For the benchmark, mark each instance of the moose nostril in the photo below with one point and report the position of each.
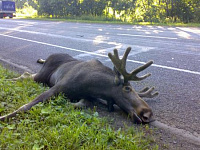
(145, 118)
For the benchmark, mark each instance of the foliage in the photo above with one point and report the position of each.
(27, 11)
(164, 11)
(56, 124)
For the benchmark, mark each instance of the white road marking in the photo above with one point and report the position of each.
(80, 39)
(53, 45)
(102, 55)
(96, 41)
(157, 37)
(136, 50)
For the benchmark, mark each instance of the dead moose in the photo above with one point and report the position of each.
(91, 80)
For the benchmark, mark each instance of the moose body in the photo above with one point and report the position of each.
(77, 79)
(91, 80)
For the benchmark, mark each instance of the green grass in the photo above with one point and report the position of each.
(103, 20)
(57, 125)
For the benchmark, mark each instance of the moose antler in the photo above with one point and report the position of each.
(147, 92)
(120, 65)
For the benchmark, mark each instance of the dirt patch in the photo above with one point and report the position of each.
(164, 138)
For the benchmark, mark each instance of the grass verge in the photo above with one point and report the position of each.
(110, 21)
(57, 125)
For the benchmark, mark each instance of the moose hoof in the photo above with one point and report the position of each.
(41, 61)
(26, 75)
(81, 104)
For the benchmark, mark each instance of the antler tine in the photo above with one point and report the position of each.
(116, 53)
(115, 59)
(120, 65)
(125, 56)
(147, 92)
(139, 69)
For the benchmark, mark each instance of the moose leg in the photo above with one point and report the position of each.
(81, 104)
(25, 75)
(110, 105)
(84, 103)
(41, 98)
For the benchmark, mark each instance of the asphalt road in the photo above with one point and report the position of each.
(175, 51)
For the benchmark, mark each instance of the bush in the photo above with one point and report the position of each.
(26, 11)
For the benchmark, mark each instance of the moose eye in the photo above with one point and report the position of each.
(127, 88)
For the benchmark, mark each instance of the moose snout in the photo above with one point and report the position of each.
(142, 118)
(147, 117)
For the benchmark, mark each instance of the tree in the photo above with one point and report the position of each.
(127, 10)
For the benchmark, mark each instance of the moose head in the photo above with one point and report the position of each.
(127, 98)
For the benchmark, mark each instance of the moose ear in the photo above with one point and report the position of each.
(119, 79)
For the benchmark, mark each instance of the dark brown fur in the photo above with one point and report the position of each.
(89, 80)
